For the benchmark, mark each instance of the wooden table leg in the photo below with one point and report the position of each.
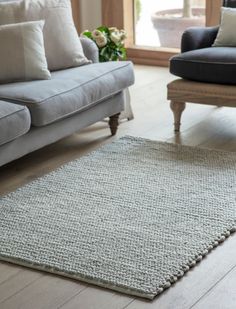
(177, 108)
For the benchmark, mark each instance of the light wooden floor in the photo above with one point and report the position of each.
(212, 284)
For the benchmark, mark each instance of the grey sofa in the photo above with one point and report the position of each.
(37, 113)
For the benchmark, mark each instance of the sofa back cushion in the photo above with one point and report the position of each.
(62, 44)
(22, 53)
(229, 3)
(11, 12)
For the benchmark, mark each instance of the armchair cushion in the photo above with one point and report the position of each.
(230, 3)
(198, 37)
(212, 65)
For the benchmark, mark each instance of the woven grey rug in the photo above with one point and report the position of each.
(133, 216)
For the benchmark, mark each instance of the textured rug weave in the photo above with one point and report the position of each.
(133, 216)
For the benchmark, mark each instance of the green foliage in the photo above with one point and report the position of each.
(87, 34)
(110, 42)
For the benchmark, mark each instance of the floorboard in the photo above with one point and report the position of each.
(93, 296)
(45, 292)
(222, 295)
(16, 284)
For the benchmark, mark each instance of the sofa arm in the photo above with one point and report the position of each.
(90, 49)
(196, 38)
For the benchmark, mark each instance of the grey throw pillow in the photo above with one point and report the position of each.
(227, 34)
(22, 53)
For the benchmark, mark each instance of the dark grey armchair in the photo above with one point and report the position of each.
(199, 61)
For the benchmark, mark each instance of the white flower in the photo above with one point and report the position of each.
(84, 32)
(113, 29)
(123, 35)
(115, 37)
(97, 34)
(101, 41)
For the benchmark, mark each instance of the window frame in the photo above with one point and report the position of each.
(75, 10)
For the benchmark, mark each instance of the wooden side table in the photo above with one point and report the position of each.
(182, 91)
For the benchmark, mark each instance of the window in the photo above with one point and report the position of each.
(145, 48)
(161, 23)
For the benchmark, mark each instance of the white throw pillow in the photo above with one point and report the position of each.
(62, 44)
(22, 53)
(226, 35)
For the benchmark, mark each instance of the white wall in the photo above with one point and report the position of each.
(90, 14)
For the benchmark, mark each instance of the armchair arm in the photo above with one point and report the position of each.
(90, 49)
(196, 38)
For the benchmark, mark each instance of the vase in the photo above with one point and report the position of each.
(170, 25)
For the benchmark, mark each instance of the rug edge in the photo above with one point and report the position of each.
(184, 269)
(123, 290)
(172, 143)
(150, 296)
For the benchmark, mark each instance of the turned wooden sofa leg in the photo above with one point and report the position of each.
(113, 123)
(177, 108)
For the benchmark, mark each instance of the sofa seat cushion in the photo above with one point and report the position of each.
(14, 121)
(211, 65)
(69, 91)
